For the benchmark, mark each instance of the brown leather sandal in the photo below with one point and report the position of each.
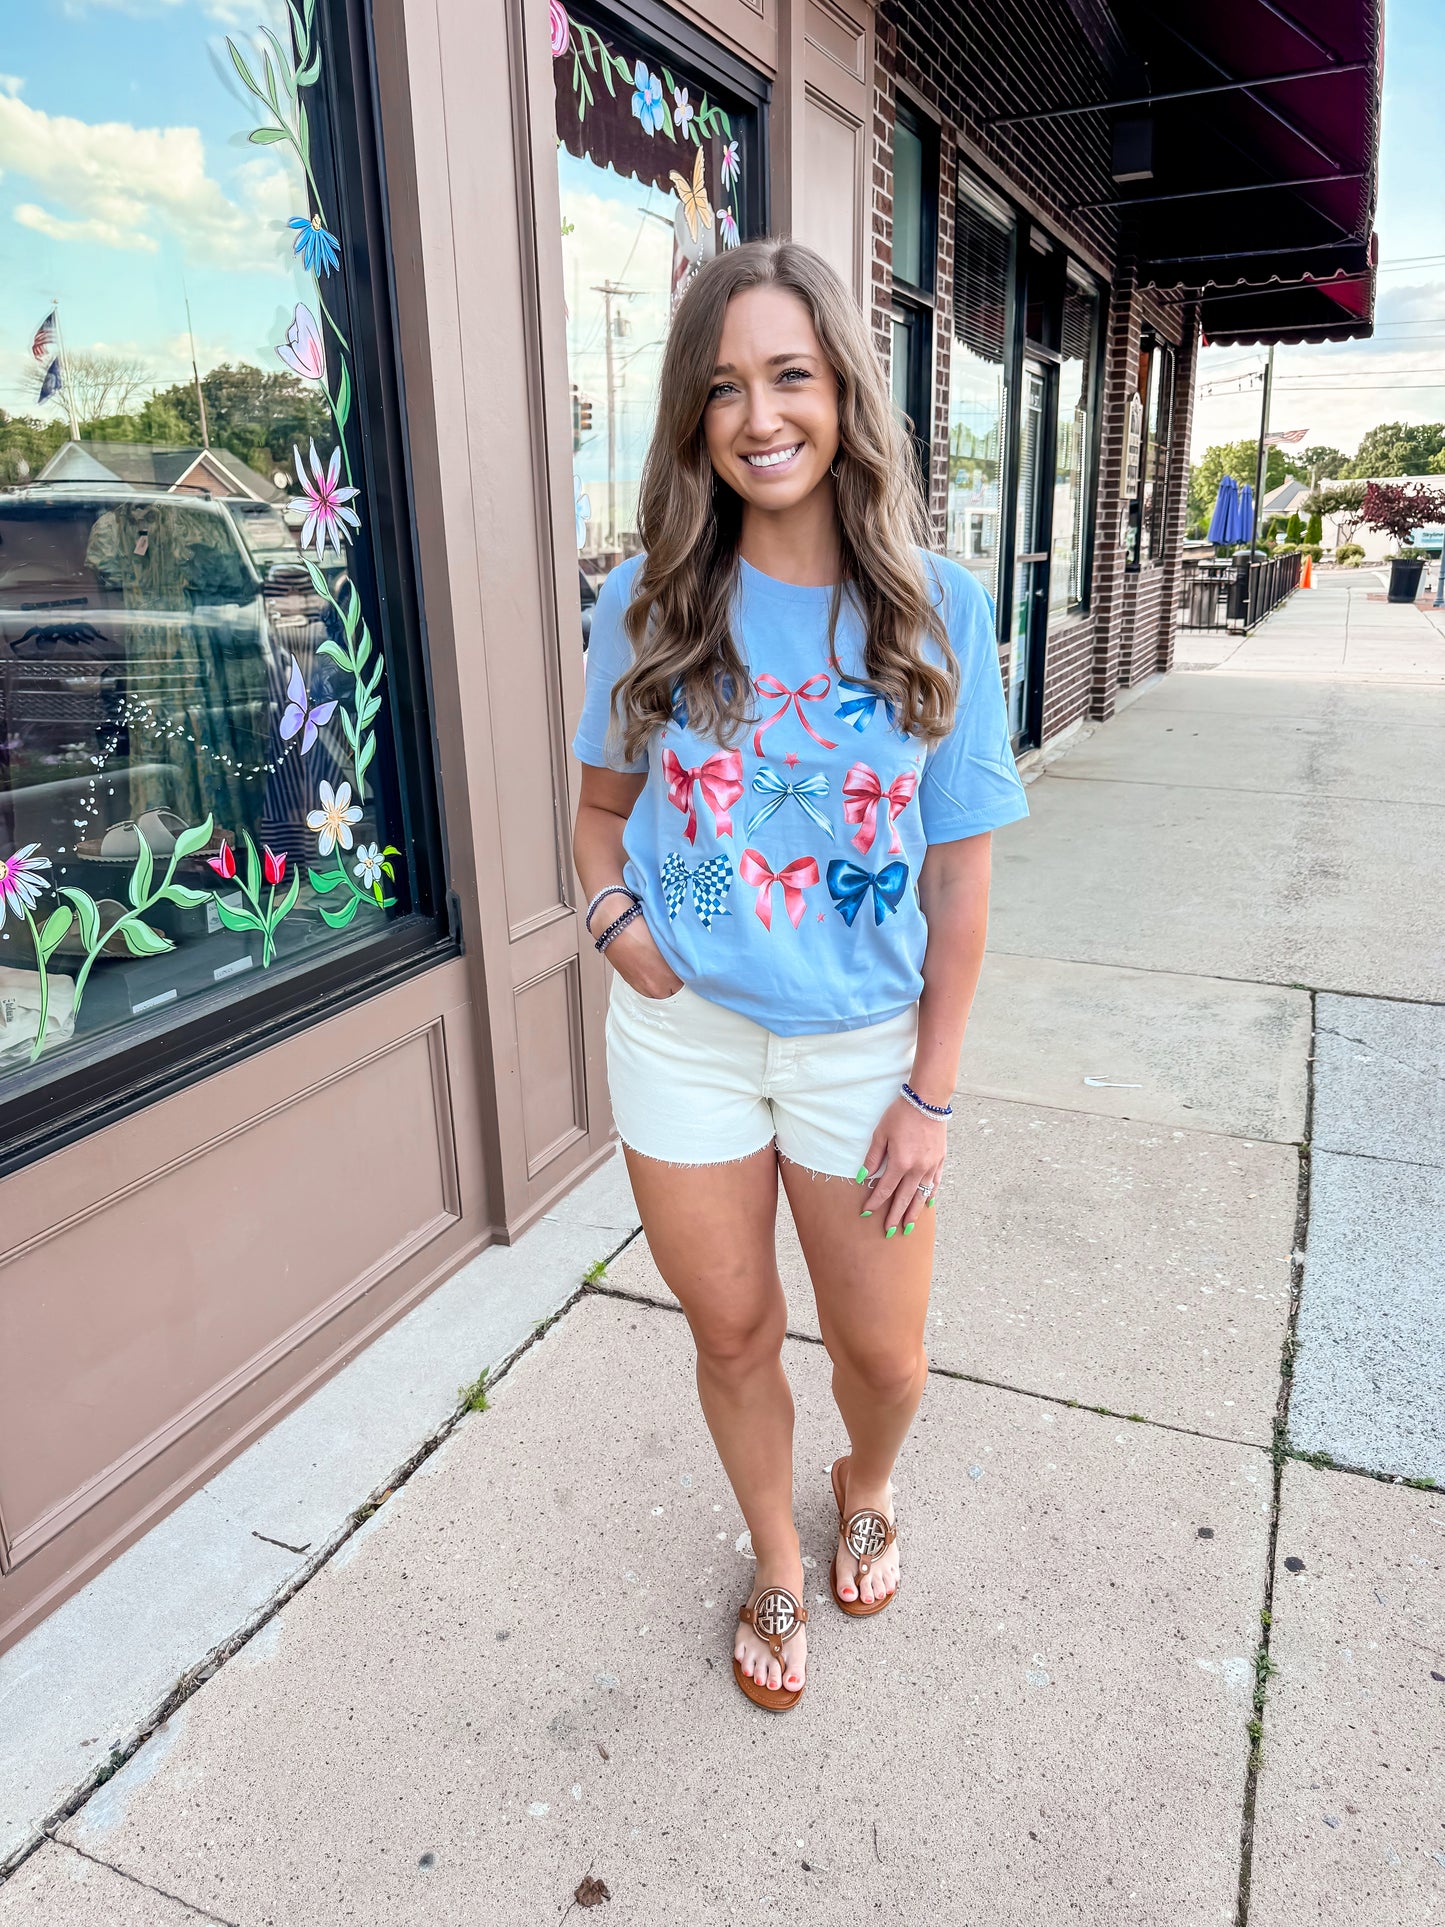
(865, 1533)
(777, 1616)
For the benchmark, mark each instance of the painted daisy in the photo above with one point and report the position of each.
(682, 110)
(727, 221)
(324, 501)
(319, 250)
(332, 822)
(21, 882)
(368, 864)
(730, 167)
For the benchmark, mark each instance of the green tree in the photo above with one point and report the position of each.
(257, 414)
(1314, 530)
(1321, 463)
(1294, 530)
(1399, 448)
(1229, 458)
(26, 444)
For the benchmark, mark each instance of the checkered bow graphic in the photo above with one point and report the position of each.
(863, 792)
(710, 883)
(770, 785)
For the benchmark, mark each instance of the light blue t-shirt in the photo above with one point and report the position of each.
(779, 878)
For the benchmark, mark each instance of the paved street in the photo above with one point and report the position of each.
(1170, 1647)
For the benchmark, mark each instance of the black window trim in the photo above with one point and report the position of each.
(62, 1102)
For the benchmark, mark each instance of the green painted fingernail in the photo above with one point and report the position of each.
(862, 1173)
(891, 1231)
(865, 1214)
(907, 1228)
(929, 1203)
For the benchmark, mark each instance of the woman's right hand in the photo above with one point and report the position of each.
(634, 954)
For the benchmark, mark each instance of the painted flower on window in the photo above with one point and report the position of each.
(728, 224)
(730, 167)
(560, 27)
(332, 822)
(647, 99)
(21, 881)
(324, 499)
(682, 110)
(368, 864)
(303, 350)
(319, 250)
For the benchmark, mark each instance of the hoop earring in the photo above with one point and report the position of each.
(833, 465)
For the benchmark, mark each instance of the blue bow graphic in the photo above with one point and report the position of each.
(859, 711)
(849, 883)
(777, 792)
(710, 882)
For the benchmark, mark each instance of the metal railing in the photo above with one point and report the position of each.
(1236, 595)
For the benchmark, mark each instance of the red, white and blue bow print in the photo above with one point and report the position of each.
(795, 877)
(863, 792)
(770, 785)
(710, 883)
(849, 885)
(719, 777)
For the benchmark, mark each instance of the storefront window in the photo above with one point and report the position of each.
(1158, 417)
(657, 161)
(199, 785)
(1073, 445)
(976, 410)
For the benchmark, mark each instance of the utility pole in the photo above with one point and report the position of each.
(196, 376)
(610, 292)
(1259, 466)
(65, 386)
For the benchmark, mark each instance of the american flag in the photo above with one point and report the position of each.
(43, 346)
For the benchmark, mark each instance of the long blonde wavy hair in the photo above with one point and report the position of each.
(690, 522)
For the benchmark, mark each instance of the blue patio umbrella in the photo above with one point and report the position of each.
(1241, 522)
(1225, 503)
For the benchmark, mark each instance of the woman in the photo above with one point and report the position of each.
(794, 746)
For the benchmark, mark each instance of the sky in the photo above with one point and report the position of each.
(127, 182)
(1337, 390)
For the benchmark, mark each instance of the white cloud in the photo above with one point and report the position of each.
(124, 187)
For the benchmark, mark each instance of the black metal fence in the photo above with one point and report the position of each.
(1234, 594)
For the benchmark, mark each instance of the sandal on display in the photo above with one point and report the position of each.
(865, 1533)
(777, 1616)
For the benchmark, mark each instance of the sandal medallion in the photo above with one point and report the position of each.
(867, 1534)
(775, 1613)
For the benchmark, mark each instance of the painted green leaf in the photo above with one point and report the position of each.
(338, 919)
(298, 30)
(309, 8)
(670, 83)
(369, 710)
(363, 648)
(323, 882)
(86, 912)
(727, 125)
(183, 896)
(191, 840)
(142, 941)
(253, 866)
(287, 902)
(235, 919)
(376, 892)
(623, 68)
(244, 71)
(53, 929)
(307, 74)
(343, 397)
(363, 763)
(335, 651)
(283, 65)
(304, 136)
(318, 580)
(607, 74)
(667, 122)
(352, 610)
(142, 876)
(265, 136)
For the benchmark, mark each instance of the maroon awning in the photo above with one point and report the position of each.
(1260, 198)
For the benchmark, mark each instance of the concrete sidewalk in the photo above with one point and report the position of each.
(1150, 1665)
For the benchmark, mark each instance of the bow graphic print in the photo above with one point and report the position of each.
(777, 792)
(863, 791)
(720, 778)
(849, 884)
(710, 882)
(795, 878)
(859, 709)
(808, 692)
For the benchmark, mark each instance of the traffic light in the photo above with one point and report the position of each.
(581, 416)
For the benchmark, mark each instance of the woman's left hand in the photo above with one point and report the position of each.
(907, 1151)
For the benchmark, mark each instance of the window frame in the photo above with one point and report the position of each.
(915, 302)
(1078, 275)
(61, 1100)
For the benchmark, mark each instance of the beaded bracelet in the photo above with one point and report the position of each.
(601, 943)
(606, 891)
(944, 1111)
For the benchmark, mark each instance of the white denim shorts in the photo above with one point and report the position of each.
(695, 1083)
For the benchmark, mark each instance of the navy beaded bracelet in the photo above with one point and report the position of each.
(621, 923)
(944, 1111)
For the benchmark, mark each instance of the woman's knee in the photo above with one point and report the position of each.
(888, 1373)
(733, 1341)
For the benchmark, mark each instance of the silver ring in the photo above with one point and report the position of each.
(926, 1190)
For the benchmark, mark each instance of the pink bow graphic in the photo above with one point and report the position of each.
(794, 877)
(808, 692)
(863, 792)
(721, 778)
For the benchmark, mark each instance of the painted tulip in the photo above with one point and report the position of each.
(223, 862)
(273, 867)
(303, 350)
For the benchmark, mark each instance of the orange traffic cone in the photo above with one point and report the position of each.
(1306, 581)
